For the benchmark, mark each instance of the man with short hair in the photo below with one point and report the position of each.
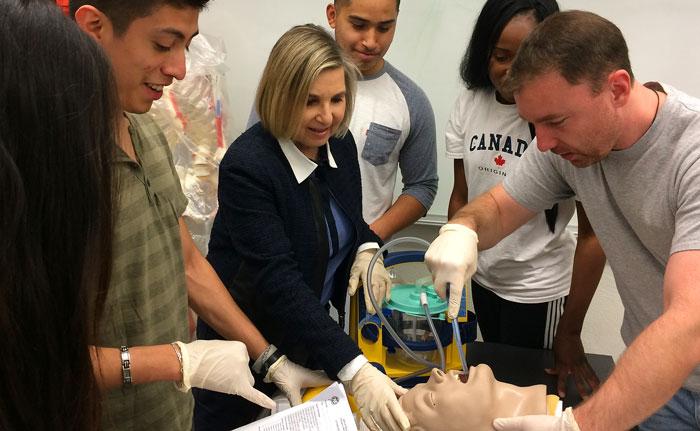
(157, 270)
(629, 152)
(393, 122)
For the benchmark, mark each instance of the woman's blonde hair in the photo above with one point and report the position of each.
(296, 60)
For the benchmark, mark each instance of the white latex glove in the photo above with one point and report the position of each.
(452, 259)
(566, 422)
(220, 366)
(381, 281)
(292, 378)
(376, 396)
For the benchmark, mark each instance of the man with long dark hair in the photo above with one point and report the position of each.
(157, 269)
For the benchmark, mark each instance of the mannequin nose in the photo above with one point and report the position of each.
(438, 375)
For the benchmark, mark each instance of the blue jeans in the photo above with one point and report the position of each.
(681, 413)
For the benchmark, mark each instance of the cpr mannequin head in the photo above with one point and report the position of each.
(445, 403)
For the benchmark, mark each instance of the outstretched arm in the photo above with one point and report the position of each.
(211, 301)
(483, 222)
(589, 262)
(149, 364)
(493, 216)
(216, 365)
(650, 371)
(655, 365)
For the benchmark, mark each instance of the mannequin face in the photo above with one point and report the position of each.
(445, 403)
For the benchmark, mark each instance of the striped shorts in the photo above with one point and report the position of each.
(514, 323)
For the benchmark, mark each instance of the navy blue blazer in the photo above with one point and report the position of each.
(267, 249)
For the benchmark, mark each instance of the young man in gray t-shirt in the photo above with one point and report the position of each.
(629, 153)
(393, 124)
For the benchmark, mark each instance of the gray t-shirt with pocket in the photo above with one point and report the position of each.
(394, 127)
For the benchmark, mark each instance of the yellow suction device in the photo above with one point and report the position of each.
(411, 335)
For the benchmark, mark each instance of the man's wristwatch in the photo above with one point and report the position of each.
(266, 360)
(274, 357)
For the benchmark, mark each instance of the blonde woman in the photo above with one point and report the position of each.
(289, 239)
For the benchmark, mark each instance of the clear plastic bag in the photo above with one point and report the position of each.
(192, 115)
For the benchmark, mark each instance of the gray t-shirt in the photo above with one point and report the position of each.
(642, 202)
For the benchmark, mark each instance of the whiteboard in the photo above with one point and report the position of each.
(430, 40)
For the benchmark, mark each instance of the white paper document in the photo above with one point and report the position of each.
(328, 411)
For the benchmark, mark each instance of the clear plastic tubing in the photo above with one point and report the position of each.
(438, 343)
(384, 320)
(457, 337)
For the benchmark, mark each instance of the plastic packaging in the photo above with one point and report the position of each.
(192, 114)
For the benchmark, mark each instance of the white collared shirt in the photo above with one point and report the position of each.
(301, 165)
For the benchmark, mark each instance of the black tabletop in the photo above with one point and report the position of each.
(525, 367)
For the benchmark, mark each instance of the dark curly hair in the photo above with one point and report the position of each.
(494, 16)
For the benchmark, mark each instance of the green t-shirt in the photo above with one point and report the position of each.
(147, 300)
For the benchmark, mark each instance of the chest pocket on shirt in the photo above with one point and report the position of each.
(380, 143)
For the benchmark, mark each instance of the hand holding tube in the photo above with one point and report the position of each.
(452, 259)
(381, 281)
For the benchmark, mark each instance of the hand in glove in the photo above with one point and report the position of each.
(376, 395)
(381, 281)
(566, 422)
(292, 378)
(220, 366)
(452, 259)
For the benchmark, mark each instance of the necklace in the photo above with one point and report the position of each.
(656, 112)
(658, 102)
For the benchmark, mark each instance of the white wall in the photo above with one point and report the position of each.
(431, 38)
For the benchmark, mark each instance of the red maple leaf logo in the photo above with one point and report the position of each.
(500, 161)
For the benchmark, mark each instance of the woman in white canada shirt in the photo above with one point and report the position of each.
(521, 286)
